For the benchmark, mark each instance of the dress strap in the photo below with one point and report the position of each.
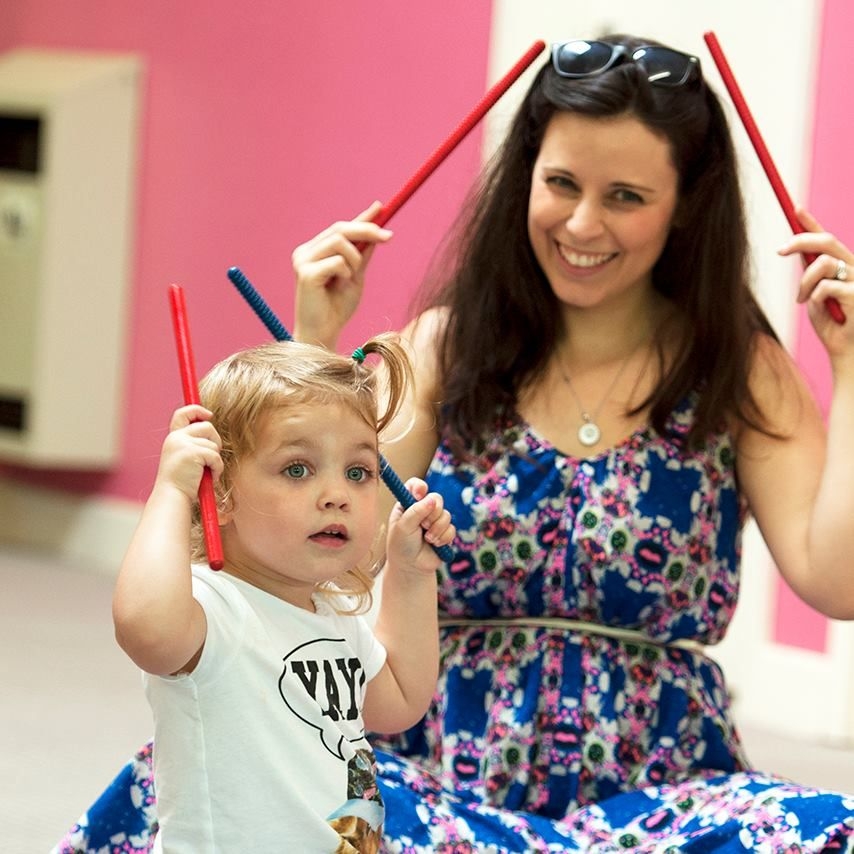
(583, 626)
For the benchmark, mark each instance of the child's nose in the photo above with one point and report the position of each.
(334, 494)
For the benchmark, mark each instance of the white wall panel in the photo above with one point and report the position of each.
(771, 47)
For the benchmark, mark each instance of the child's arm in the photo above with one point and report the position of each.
(157, 621)
(407, 624)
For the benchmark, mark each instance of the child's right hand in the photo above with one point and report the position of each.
(192, 444)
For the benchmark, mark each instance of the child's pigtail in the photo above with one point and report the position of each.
(398, 373)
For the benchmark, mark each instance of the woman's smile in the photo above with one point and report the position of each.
(586, 260)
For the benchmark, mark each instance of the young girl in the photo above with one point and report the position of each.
(263, 677)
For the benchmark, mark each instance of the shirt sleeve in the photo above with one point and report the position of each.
(357, 628)
(371, 651)
(226, 614)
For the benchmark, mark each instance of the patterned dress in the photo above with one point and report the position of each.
(576, 710)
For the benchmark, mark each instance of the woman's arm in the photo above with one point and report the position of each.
(801, 488)
(157, 621)
(410, 441)
(407, 623)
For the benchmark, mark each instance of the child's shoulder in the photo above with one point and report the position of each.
(216, 590)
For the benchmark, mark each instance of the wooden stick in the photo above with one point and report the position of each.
(458, 134)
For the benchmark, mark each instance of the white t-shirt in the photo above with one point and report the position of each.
(262, 747)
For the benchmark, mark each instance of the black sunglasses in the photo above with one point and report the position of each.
(663, 66)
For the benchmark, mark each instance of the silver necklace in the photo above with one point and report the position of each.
(589, 433)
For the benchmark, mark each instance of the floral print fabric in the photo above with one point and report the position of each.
(123, 819)
(545, 738)
(542, 737)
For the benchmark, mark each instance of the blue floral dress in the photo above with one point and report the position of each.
(576, 709)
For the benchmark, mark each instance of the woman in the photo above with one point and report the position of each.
(602, 403)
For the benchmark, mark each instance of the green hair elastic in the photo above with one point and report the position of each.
(265, 314)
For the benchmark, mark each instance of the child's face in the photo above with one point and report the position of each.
(304, 503)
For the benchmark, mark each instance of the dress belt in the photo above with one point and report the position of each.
(583, 626)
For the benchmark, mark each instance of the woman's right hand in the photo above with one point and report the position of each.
(330, 276)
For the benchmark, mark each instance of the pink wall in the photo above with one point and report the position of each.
(262, 123)
(831, 191)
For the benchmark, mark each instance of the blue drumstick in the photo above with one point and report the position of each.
(268, 318)
(264, 312)
(398, 489)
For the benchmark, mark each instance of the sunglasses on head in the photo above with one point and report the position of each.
(663, 66)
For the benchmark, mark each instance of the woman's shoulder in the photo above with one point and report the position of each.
(778, 387)
(772, 370)
(422, 337)
(424, 329)
(412, 437)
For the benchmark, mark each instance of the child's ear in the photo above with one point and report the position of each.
(224, 510)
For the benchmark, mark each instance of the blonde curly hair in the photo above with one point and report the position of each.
(248, 384)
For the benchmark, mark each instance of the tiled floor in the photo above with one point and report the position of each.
(72, 709)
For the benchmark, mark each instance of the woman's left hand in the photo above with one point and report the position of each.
(829, 276)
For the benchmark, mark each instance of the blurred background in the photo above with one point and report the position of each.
(178, 140)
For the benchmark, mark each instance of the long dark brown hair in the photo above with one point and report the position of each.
(503, 320)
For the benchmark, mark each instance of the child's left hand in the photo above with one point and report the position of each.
(412, 533)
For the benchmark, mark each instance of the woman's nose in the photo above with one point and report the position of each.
(585, 219)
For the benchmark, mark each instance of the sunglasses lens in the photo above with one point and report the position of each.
(663, 66)
(581, 58)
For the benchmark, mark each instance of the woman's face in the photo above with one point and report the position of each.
(603, 197)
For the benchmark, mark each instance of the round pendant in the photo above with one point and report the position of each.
(589, 434)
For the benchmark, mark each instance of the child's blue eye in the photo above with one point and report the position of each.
(296, 470)
(357, 474)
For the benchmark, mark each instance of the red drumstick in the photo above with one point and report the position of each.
(457, 136)
(386, 212)
(187, 364)
(833, 306)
